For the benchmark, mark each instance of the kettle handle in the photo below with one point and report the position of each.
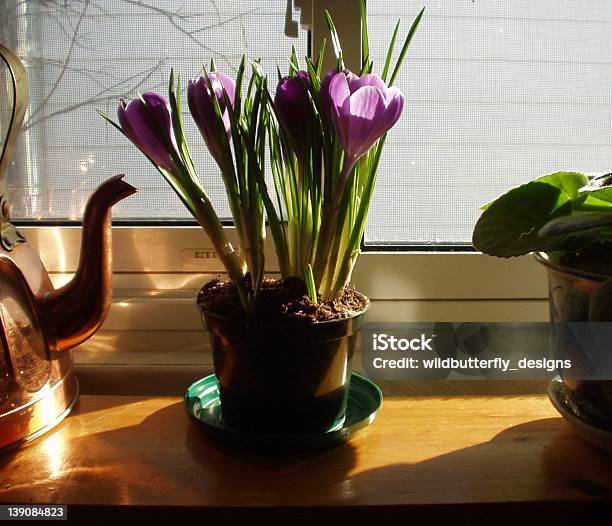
(19, 80)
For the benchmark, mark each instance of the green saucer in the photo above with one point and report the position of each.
(364, 400)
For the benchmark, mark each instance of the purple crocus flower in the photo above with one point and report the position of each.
(293, 107)
(363, 109)
(202, 108)
(147, 122)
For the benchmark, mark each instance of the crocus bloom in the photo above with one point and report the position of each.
(147, 122)
(293, 107)
(363, 109)
(202, 108)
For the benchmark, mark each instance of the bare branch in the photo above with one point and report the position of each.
(165, 12)
(239, 16)
(63, 13)
(100, 96)
(171, 17)
(66, 62)
(217, 10)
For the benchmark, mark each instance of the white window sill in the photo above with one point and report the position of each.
(158, 271)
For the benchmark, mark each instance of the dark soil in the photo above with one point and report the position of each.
(280, 300)
(596, 258)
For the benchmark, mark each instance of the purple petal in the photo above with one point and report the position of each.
(339, 98)
(356, 82)
(392, 93)
(221, 82)
(227, 83)
(123, 120)
(363, 109)
(327, 80)
(338, 89)
(200, 103)
(160, 111)
(325, 97)
(304, 76)
(143, 126)
(293, 106)
(192, 87)
(367, 106)
(202, 110)
(394, 105)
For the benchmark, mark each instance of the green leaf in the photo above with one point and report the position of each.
(238, 88)
(310, 283)
(510, 225)
(367, 66)
(603, 196)
(171, 83)
(335, 41)
(365, 43)
(402, 55)
(174, 95)
(314, 76)
(593, 203)
(575, 223)
(276, 227)
(599, 188)
(570, 183)
(109, 120)
(294, 63)
(320, 60)
(390, 50)
(596, 183)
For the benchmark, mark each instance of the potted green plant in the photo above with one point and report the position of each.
(281, 348)
(566, 219)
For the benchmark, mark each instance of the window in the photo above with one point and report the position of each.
(497, 93)
(83, 55)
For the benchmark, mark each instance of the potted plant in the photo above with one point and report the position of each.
(281, 348)
(566, 219)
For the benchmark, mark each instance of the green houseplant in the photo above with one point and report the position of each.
(566, 219)
(284, 345)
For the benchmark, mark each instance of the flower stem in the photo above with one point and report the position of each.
(328, 225)
(208, 219)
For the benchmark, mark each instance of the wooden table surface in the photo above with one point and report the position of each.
(422, 452)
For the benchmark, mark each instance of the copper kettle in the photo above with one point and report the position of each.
(38, 323)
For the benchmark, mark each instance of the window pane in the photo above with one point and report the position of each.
(85, 54)
(497, 93)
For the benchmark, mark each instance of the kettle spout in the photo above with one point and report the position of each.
(74, 312)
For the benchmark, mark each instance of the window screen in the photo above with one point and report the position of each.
(497, 93)
(85, 54)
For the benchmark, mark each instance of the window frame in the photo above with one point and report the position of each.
(404, 283)
(407, 285)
